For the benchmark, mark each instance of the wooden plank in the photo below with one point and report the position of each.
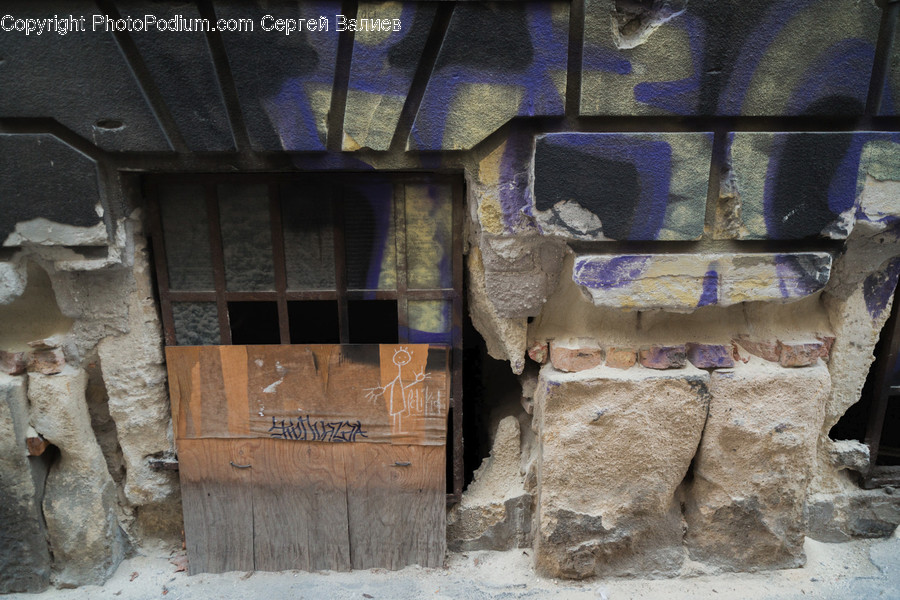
(217, 500)
(396, 394)
(396, 505)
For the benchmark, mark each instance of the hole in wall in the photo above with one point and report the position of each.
(32, 316)
(109, 124)
(102, 422)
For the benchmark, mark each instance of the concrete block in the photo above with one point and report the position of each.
(615, 446)
(745, 506)
(683, 282)
(663, 357)
(643, 186)
(576, 355)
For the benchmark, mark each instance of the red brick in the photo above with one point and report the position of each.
(827, 345)
(538, 352)
(621, 358)
(48, 362)
(710, 356)
(799, 355)
(36, 445)
(766, 349)
(578, 355)
(663, 357)
(13, 363)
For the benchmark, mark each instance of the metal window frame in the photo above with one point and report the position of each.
(281, 295)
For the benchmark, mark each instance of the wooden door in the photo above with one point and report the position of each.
(311, 457)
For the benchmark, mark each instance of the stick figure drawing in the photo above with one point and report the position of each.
(399, 397)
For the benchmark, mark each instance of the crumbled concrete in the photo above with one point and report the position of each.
(79, 488)
(24, 555)
(745, 505)
(615, 446)
(495, 510)
(520, 273)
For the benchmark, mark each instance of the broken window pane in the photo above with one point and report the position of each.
(196, 323)
(186, 234)
(246, 238)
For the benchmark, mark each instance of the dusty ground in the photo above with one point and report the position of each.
(863, 569)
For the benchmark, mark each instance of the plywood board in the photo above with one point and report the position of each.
(397, 394)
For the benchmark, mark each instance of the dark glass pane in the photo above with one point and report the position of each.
(196, 323)
(429, 236)
(370, 240)
(372, 321)
(308, 236)
(254, 323)
(186, 236)
(429, 321)
(314, 322)
(246, 238)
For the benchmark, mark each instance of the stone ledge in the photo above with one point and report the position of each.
(684, 282)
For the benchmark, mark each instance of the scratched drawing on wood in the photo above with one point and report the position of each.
(391, 393)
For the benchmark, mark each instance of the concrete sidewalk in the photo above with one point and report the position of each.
(866, 569)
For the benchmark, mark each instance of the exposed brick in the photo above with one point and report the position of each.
(48, 362)
(827, 345)
(538, 352)
(36, 445)
(576, 355)
(13, 363)
(710, 356)
(663, 357)
(800, 355)
(766, 349)
(621, 358)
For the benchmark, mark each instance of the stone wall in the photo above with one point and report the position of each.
(681, 234)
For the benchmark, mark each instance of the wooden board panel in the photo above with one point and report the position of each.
(300, 506)
(217, 499)
(396, 505)
(397, 394)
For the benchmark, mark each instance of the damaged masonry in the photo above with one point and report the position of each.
(608, 280)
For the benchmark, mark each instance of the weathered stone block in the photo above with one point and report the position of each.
(576, 355)
(804, 185)
(605, 508)
(683, 282)
(643, 186)
(745, 505)
(24, 556)
(80, 502)
(799, 355)
(621, 358)
(710, 356)
(663, 357)
(685, 57)
(538, 352)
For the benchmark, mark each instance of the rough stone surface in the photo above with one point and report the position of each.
(132, 366)
(24, 556)
(663, 357)
(849, 454)
(644, 186)
(710, 356)
(852, 514)
(605, 508)
(685, 57)
(495, 510)
(684, 282)
(576, 355)
(520, 273)
(621, 358)
(745, 505)
(505, 338)
(79, 487)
